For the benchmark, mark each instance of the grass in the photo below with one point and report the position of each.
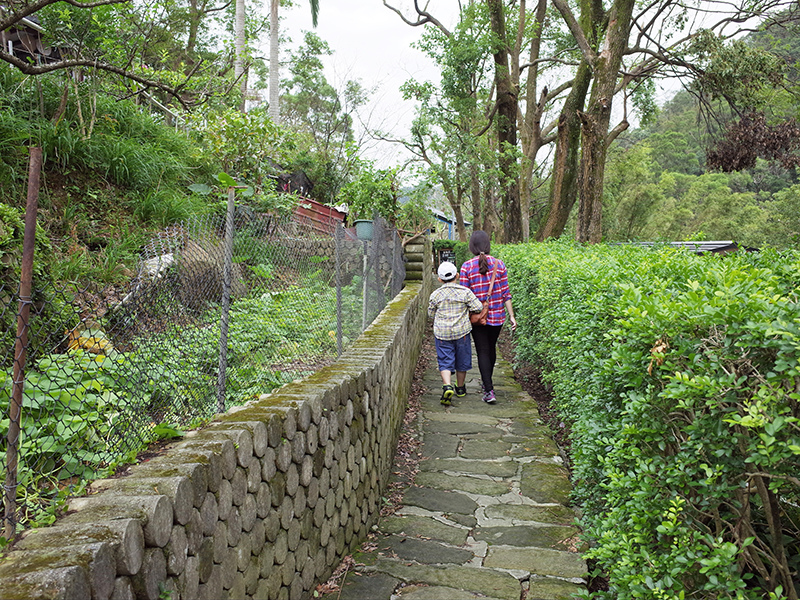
(104, 188)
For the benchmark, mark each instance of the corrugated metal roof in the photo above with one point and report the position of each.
(323, 219)
(716, 247)
(442, 216)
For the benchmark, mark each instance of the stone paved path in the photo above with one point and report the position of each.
(487, 517)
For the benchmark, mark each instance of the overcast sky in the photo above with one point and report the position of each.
(370, 43)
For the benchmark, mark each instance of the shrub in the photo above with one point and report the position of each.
(679, 375)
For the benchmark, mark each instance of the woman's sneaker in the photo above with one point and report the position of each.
(461, 391)
(489, 398)
(447, 393)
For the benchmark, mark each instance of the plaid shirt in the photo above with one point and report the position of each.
(451, 305)
(471, 277)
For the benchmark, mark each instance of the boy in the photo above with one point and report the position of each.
(450, 306)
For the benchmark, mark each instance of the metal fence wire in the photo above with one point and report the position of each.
(217, 315)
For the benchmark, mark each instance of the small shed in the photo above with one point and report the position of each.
(449, 222)
(25, 40)
(322, 218)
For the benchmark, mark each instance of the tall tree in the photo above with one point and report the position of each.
(659, 43)
(239, 72)
(451, 117)
(534, 135)
(565, 173)
(274, 56)
(507, 106)
(468, 104)
(322, 115)
(274, 63)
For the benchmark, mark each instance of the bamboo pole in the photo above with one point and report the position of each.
(21, 347)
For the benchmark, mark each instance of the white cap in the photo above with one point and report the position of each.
(447, 271)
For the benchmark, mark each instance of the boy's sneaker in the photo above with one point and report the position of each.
(489, 398)
(461, 391)
(447, 393)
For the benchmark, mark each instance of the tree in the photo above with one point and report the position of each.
(239, 72)
(274, 63)
(109, 36)
(565, 174)
(469, 103)
(751, 138)
(323, 117)
(534, 135)
(448, 134)
(370, 191)
(506, 126)
(655, 47)
(274, 56)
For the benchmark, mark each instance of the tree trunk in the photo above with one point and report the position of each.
(531, 130)
(596, 120)
(460, 227)
(458, 213)
(475, 195)
(506, 127)
(194, 25)
(593, 157)
(238, 63)
(564, 185)
(489, 212)
(274, 64)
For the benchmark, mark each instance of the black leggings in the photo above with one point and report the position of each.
(485, 339)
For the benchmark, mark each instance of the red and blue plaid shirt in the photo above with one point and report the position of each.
(471, 277)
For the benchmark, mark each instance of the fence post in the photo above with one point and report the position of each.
(337, 233)
(21, 346)
(226, 302)
(364, 290)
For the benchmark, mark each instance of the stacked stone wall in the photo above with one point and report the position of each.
(263, 503)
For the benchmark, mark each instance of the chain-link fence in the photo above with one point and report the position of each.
(218, 314)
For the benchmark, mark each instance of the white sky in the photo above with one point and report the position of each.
(372, 44)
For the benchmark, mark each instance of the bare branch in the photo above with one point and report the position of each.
(550, 137)
(32, 69)
(18, 14)
(551, 94)
(612, 135)
(218, 8)
(575, 30)
(423, 18)
(490, 120)
(538, 61)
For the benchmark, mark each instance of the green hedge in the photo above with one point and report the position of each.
(679, 377)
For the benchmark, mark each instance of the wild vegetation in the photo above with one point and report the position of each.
(677, 375)
(657, 188)
(116, 171)
(534, 99)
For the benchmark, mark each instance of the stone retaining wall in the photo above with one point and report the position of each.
(263, 503)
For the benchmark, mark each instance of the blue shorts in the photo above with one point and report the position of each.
(454, 355)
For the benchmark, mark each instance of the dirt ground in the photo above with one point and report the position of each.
(529, 377)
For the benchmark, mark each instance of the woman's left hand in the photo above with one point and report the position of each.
(513, 323)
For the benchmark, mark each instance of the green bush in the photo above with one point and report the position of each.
(679, 377)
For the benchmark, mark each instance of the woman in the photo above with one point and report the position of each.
(476, 274)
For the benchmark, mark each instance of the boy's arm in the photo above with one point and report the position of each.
(475, 305)
(432, 305)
